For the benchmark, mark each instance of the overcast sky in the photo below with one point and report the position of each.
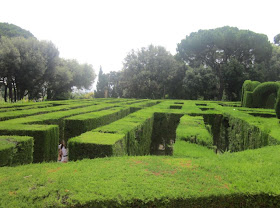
(103, 32)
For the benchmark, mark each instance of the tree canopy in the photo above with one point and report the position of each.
(209, 64)
(216, 48)
(277, 39)
(102, 84)
(10, 30)
(147, 72)
(31, 67)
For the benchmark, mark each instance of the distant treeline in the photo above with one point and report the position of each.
(209, 64)
(33, 68)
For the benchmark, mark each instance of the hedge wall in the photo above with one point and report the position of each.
(94, 144)
(193, 129)
(46, 140)
(79, 124)
(15, 150)
(164, 132)
(244, 136)
(194, 177)
(248, 86)
(262, 93)
(277, 105)
(128, 136)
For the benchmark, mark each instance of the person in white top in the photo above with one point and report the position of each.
(59, 153)
(64, 152)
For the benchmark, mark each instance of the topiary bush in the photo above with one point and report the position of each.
(277, 105)
(246, 97)
(262, 92)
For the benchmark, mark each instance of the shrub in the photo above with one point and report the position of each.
(262, 92)
(277, 105)
(15, 150)
(248, 86)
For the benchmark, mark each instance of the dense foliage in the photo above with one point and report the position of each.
(10, 30)
(31, 67)
(210, 65)
(147, 73)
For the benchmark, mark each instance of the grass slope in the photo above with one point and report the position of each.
(184, 179)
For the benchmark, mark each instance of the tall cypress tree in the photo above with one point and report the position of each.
(102, 84)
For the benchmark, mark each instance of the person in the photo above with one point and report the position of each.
(64, 152)
(59, 153)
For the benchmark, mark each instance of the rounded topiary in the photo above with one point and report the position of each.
(277, 105)
(262, 92)
(248, 86)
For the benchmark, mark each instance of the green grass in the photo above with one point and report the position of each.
(192, 128)
(98, 138)
(147, 181)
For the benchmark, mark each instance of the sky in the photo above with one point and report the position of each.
(103, 32)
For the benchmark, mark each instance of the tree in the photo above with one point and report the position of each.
(200, 83)
(114, 87)
(69, 74)
(33, 64)
(273, 72)
(10, 30)
(9, 63)
(24, 63)
(217, 47)
(32, 67)
(102, 84)
(277, 40)
(51, 54)
(175, 88)
(146, 72)
(234, 78)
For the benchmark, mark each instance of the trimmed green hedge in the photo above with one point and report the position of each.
(193, 129)
(23, 113)
(248, 99)
(193, 177)
(130, 135)
(164, 132)
(79, 124)
(244, 136)
(46, 140)
(15, 150)
(277, 105)
(248, 86)
(94, 144)
(46, 137)
(262, 93)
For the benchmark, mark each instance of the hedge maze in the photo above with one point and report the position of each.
(143, 153)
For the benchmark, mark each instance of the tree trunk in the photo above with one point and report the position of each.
(221, 83)
(10, 92)
(5, 94)
(15, 94)
(21, 95)
(18, 94)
